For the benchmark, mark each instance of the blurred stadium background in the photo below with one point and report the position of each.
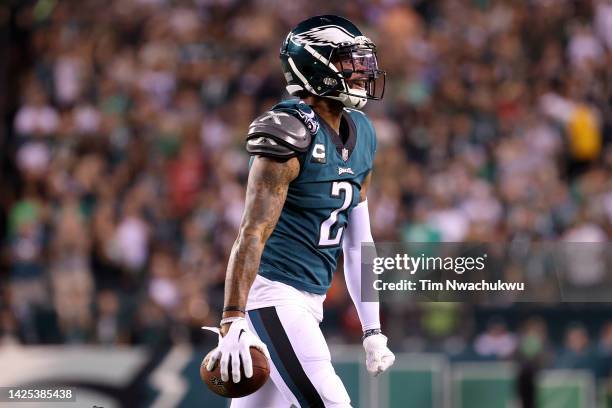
(123, 170)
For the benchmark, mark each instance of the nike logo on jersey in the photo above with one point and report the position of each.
(318, 154)
(343, 170)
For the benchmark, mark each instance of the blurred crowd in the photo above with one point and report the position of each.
(127, 165)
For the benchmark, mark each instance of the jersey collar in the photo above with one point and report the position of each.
(344, 149)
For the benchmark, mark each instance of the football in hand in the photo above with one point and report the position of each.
(246, 386)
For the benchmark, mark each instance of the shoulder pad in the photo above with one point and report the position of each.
(282, 128)
(267, 146)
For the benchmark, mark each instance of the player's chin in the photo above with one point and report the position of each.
(358, 87)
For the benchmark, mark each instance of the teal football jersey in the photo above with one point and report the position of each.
(303, 249)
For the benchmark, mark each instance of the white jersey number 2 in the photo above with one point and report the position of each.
(324, 236)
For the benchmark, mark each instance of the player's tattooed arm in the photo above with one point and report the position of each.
(265, 196)
(363, 194)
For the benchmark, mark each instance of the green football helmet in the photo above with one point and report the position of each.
(325, 55)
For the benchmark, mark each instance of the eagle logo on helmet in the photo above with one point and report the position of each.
(310, 54)
(324, 35)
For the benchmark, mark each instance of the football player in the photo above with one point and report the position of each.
(305, 203)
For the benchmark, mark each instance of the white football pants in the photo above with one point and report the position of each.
(301, 373)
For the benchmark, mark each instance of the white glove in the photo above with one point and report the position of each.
(236, 346)
(378, 355)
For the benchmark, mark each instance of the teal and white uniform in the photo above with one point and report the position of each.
(285, 303)
(306, 243)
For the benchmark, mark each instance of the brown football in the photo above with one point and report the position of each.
(246, 386)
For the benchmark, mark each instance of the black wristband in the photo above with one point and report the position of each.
(234, 309)
(370, 332)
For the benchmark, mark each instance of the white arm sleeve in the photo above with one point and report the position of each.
(358, 231)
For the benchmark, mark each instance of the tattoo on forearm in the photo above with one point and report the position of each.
(266, 193)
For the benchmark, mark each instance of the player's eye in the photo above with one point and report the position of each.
(365, 60)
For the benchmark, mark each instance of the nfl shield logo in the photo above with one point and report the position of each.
(344, 154)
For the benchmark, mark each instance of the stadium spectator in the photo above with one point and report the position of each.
(496, 341)
(604, 348)
(577, 351)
